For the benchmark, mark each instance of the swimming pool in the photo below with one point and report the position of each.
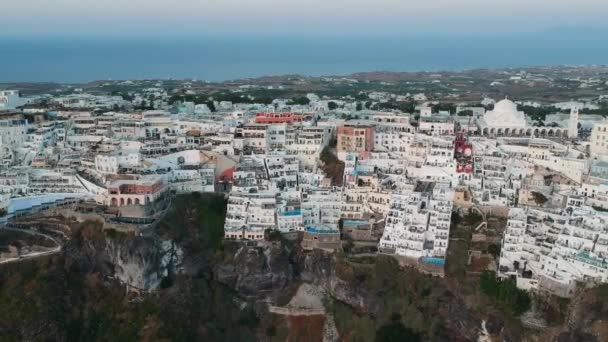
(435, 261)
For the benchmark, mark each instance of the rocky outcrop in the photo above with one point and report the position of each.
(142, 263)
(255, 269)
(319, 267)
(139, 262)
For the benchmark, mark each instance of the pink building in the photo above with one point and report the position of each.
(356, 139)
(135, 192)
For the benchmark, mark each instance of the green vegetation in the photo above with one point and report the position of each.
(601, 291)
(300, 100)
(472, 218)
(449, 107)
(494, 250)
(56, 300)
(408, 299)
(603, 110)
(144, 105)
(406, 107)
(357, 328)
(273, 235)
(348, 244)
(117, 235)
(196, 221)
(467, 112)
(331, 105)
(396, 331)
(539, 198)
(538, 113)
(504, 293)
(458, 251)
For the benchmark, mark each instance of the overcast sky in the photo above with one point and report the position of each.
(325, 17)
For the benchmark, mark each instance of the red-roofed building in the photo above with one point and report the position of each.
(463, 153)
(279, 118)
(135, 192)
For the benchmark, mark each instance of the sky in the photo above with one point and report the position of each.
(288, 17)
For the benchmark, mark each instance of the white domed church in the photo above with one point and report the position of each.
(505, 120)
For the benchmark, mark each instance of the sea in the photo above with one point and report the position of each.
(220, 58)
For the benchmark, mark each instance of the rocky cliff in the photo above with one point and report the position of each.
(271, 272)
(142, 263)
(206, 289)
(137, 261)
(255, 270)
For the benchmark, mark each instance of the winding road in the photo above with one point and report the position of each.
(34, 254)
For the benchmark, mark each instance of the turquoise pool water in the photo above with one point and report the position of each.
(436, 261)
(321, 230)
(292, 213)
(354, 222)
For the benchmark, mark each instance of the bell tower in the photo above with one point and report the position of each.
(573, 123)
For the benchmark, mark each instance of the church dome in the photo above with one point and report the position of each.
(505, 115)
(505, 106)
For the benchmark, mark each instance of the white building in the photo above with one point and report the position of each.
(252, 202)
(112, 163)
(10, 99)
(551, 252)
(599, 139)
(506, 120)
(13, 134)
(418, 223)
(322, 207)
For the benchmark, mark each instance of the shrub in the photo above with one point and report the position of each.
(504, 293)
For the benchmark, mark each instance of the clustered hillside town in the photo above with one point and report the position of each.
(334, 170)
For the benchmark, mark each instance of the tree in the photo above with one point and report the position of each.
(211, 106)
(494, 250)
(332, 105)
(488, 284)
(455, 218)
(504, 293)
(300, 100)
(348, 245)
(467, 112)
(361, 97)
(539, 198)
(450, 107)
(359, 106)
(395, 331)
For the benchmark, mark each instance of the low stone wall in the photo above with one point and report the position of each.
(78, 216)
(495, 211)
(554, 287)
(429, 268)
(285, 311)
